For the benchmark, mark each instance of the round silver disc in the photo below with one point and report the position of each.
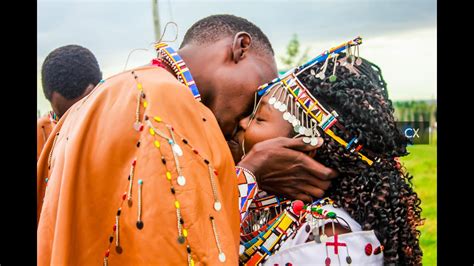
(301, 130)
(272, 100)
(296, 128)
(286, 116)
(306, 140)
(277, 104)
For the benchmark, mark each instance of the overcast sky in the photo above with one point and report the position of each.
(398, 35)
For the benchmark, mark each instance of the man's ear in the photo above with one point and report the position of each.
(240, 45)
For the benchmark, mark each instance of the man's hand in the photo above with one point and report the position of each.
(281, 167)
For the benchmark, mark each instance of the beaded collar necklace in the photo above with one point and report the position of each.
(275, 232)
(169, 56)
(53, 117)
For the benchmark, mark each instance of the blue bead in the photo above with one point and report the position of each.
(170, 141)
(46, 180)
(140, 181)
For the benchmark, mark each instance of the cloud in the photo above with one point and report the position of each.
(111, 29)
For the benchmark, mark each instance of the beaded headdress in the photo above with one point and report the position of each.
(301, 109)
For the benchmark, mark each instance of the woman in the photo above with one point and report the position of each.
(371, 213)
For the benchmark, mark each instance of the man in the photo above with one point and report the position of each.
(140, 172)
(68, 74)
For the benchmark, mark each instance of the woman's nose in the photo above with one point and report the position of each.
(244, 123)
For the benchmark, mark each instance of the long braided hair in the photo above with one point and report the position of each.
(380, 197)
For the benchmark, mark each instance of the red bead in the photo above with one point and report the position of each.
(327, 261)
(215, 172)
(376, 250)
(124, 196)
(368, 249)
(141, 127)
(115, 227)
(134, 162)
(107, 253)
(297, 206)
(172, 128)
(195, 151)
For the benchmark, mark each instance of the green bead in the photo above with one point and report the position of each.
(332, 78)
(331, 215)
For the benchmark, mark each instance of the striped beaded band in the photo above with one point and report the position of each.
(179, 67)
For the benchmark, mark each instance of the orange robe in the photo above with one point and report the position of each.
(92, 160)
(44, 126)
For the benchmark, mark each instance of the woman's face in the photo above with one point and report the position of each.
(268, 123)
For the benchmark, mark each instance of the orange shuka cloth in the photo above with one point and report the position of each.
(91, 161)
(44, 126)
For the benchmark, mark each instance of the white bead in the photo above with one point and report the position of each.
(177, 150)
(306, 140)
(286, 116)
(181, 180)
(222, 257)
(272, 100)
(217, 206)
(277, 104)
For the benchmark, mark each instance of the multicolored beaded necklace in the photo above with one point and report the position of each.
(174, 60)
(272, 235)
(53, 117)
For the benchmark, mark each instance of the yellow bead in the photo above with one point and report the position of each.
(152, 132)
(185, 233)
(139, 86)
(157, 143)
(145, 104)
(192, 262)
(176, 204)
(168, 175)
(157, 119)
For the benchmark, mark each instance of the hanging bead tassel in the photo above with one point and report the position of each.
(217, 203)
(132, 171)
(138, 126)
(139, 219)
(118, 249)
(177, 151)
(221, 254)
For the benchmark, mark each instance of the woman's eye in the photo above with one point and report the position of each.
(259, 119)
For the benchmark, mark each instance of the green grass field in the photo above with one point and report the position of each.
(422, 164)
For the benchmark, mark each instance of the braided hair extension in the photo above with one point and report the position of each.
(380, 197)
